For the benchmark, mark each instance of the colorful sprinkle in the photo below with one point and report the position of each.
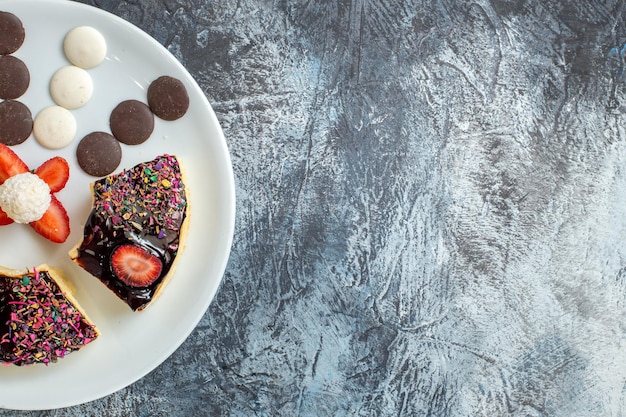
(146, 206)
(147, 197)
(37, 323)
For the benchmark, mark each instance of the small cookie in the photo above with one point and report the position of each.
(98, 154)
(168, 98)
(16, 122)
(14, 77)
(54, 127)
(85, 47)
(12, 33)
(71, 87)
(132, 122)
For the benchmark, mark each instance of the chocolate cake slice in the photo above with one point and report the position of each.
(136, 230)
(40, 321)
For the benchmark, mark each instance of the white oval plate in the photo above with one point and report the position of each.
(131, 344)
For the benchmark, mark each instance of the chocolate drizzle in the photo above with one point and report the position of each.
(144, 206)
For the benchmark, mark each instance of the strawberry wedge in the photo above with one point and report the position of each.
(4, 218)
(10, 163)
(54, 225)
(55, 172)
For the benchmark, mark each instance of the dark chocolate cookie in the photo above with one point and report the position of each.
(16, 122)
(132, 122)
(14, 77)
(168, 98)
(12, 33)
(98, 154)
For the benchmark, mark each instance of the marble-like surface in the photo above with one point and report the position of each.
(431, 209)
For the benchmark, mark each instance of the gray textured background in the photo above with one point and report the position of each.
(431, 210)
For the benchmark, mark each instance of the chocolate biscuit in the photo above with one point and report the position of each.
(168, 98)
(132, 122)
(98, 154)
(16, 122)
(12, 33)
(14, 77)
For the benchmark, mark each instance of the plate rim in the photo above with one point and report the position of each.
(230, 204)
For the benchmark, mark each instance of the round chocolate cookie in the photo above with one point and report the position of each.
(98, 154)
(14, 77)
(132, 122)
(168, 98)
(16, 122)
(12, 33)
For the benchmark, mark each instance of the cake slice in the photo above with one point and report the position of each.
(136, 230)
(40, 321)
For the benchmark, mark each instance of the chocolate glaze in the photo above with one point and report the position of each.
(6, 349)
(100, 242)
(106, 229)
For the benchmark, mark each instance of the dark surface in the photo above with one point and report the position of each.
(430, 210)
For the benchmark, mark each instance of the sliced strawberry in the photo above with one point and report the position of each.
(4, 218)
(10, 163)
(54, 225)
(135, 266)
(55, 172)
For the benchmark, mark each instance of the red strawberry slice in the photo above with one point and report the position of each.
(55, 172)
(10, 163)
(135, 266)
(4, 218)
(54, 225)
